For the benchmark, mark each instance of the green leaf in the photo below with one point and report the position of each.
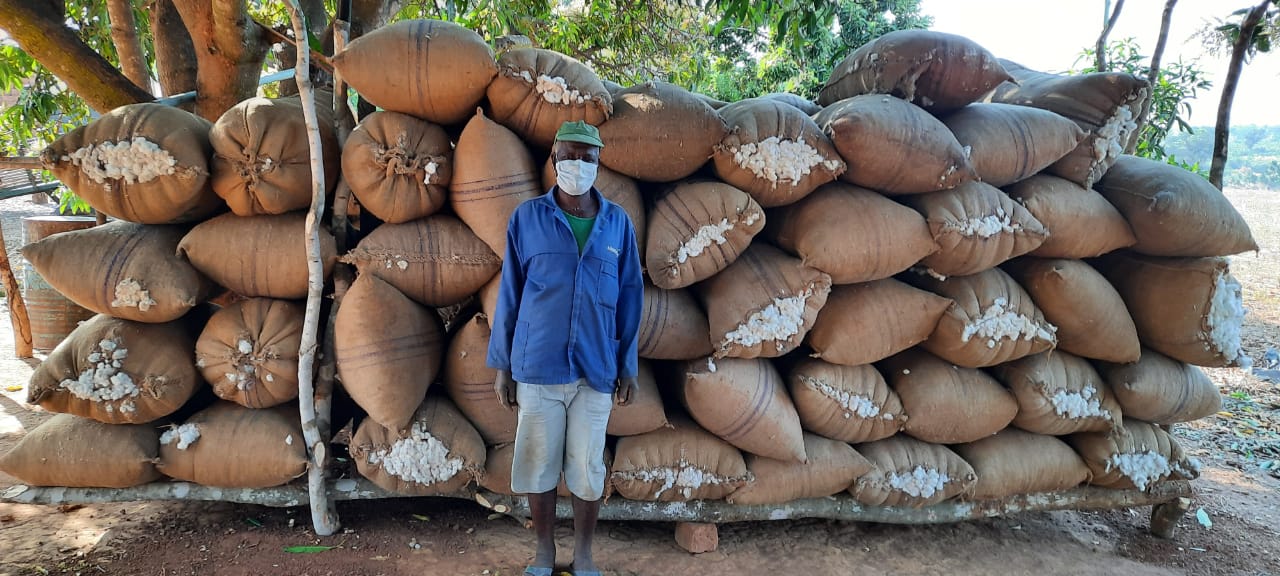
(421, 518)
(307, 549)
(315, 43)
(253, 521)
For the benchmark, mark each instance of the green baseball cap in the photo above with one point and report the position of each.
(579, 131)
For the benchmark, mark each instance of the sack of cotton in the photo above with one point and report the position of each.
(230, 446)
(399, 167)
(438, 452)
(774, 152)
(908, 472)
(698, 229)
(537, 90)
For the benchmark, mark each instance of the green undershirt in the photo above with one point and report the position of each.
(581, 228)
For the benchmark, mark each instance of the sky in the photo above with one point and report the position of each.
(1050, 34)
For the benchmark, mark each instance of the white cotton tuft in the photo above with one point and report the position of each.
(853, 404)
(920, 482)
(186, 435)
(556, 90)
(1226, 317)
(1142, 468)
(421, 458)
(999, 322)
(777, 322)
(1083, 404)
(683, 477)
(129, 293)
(102, 379)
(780, 160)
(134, 161)
(1113, 135)
(703, 239)
(986, 226)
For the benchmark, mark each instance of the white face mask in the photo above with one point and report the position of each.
(575, 177)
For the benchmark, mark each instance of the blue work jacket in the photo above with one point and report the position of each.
(562, 316)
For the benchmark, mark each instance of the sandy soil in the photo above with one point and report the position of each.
(1239, 491)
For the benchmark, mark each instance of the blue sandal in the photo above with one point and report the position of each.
(538, 571)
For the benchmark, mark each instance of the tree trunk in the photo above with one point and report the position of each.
(41, 32)
(175, 54)
(1222, 132)
(17, 306)
(1153, 72)
(124, 34)
(369, 15)
(232, 48)
(1101, 54)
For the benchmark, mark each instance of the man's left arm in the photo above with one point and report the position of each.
(630, 308)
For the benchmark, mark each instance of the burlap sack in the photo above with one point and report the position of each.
(469, 383)
(398, 167)
(1091, 317)
(388, 350)
(672, 326)
(130, 271)
(865, 323)
(1081, 223)
(489, 295)
(659, 132)
(846, 403)
(851, 233)
(145, 163)
(230, 446)
(745, 402)
(1174, 212)
(992, 320)
(908, 472)
(1059, 394)
(809, 107)
(248, 352)
(976, 227)
(832, 468)
(618, 189)
(1190, 309)
(1014, 462)
(880, 135)
(262, 158)
(118, 371)
(438, 452)
(946, 404)
(493, 173)
(937, 71)
(1010, 143)
(1139, 455)
(712, 102)
(1105, 105)
(698, 229)
(497, 472)
(436, 260)
(538, 90)
(1161, 390)
(763, 304)
(644, 413)
(76, 452)
(677, 464)
(774, 152)
(257, 256)
(435, 70)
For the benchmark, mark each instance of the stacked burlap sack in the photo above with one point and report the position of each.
(943, 279)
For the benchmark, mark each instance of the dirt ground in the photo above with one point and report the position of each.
(1239, 492)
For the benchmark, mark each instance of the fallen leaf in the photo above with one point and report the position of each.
(7, 518)
(253, 521)
(13, 388)
(307, 549)
(422, 518)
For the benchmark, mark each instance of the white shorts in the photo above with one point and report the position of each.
(561, 428)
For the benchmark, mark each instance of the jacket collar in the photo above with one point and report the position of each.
(605, 205)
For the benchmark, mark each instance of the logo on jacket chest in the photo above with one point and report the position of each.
(615, 251)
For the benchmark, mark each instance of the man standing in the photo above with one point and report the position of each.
(564, 340)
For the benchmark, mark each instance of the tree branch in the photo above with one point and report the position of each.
(1153, 72)
(41, 32)
(124, 34)
(1221, 133)
(175, 54)
(1101, 52)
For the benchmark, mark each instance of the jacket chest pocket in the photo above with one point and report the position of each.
(607, 290)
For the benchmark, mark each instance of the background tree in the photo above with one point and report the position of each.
(1248, 31)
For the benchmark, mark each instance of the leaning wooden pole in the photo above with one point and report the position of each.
(17, 306)
(324, 516)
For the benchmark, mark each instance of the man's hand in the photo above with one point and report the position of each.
(625, 390)
(505, 388)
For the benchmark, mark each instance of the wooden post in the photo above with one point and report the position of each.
(324, 516)
(17, 307)
(1165, 517)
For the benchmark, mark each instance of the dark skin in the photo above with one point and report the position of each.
(543, 506)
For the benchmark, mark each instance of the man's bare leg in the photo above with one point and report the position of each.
(584, 529)
(543, 508)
